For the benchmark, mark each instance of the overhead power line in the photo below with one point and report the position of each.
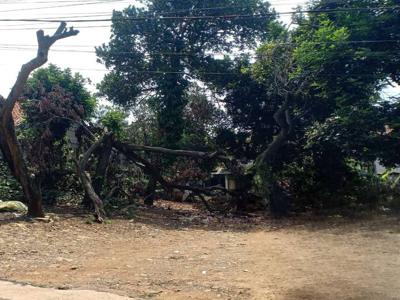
(34, 47)
(208, 17)
(17, 27)
(52, 28)
(59, 6)
(160, 72)
(46, 2)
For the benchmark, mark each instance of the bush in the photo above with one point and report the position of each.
(347, 187)
(9, 187)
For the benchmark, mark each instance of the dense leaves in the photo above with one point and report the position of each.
(156, 51)
(297, 115)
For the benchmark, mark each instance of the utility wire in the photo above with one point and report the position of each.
(34, 47)
(18, 28)
(386, 53)
(46, 2)
(160, 72)
(58, 6)
(209, 17)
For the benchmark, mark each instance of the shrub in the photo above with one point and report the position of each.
(9, 187)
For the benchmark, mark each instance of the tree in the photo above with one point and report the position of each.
(347, 118)
(156, 51)
(338, 116)
(285, 79)
(202, 118)
(347, 93)
(9, 145)
(54, 99)
(249, 108)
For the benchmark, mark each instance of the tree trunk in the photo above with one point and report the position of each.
(8, 140)
(97, 202)
(150, 190)
(102, 165)
(101, 172)
(12, 154)
(87, 182)
(265, 161)
(282, 118)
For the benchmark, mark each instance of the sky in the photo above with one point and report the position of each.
(18, 39)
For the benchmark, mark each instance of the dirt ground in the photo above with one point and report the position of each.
(175, 252)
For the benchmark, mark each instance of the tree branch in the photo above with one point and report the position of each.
(44, 44)
(87, 181)
(129, 152)
(187, 153)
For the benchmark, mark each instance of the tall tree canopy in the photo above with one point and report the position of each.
(155, 51)
(342, 60)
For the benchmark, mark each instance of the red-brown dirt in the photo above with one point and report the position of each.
(175, 252)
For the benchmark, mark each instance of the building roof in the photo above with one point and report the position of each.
(17, 114)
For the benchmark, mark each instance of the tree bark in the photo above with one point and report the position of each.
(129, 151)
(187, 153)
(102, 165)
(87, 182)
(150, 190)
(264, 162)
(282, 118)
(8, 140)
(12, 154)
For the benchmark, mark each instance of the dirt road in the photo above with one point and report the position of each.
(162, 254)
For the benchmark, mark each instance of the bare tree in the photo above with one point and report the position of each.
(8, 140)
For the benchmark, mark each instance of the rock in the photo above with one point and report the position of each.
(13, 206)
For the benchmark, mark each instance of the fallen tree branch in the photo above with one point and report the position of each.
(87, 181)
(129, 151)
(148, 168)
(187, 153)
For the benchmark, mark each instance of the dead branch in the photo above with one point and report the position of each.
(87, 181)
(187, 153)
(44, 44)
(129, 151)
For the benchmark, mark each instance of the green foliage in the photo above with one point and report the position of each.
(152, 63)
(201, 120)
(54, 100)
(334, 95)
(9, 187)
(331, 184)
(51, 78)
(115, 122)
(323, 74)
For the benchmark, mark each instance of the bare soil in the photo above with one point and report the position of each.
(176, 252)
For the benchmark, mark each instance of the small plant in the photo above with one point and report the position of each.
(9, 187)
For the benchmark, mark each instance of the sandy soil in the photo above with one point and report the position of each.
(172, 252)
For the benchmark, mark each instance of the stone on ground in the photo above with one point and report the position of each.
(13, 206)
